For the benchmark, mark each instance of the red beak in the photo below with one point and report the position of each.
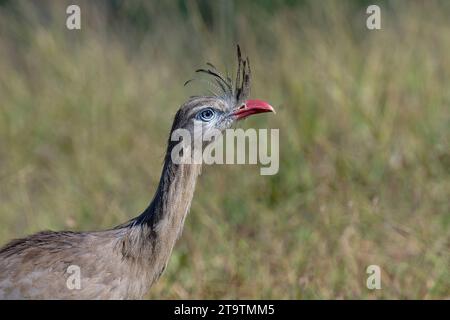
(252, 107)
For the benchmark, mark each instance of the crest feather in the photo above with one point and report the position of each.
(241, 88)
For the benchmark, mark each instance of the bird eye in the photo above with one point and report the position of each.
(206, 115)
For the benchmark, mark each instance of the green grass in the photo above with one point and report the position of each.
(364, 121)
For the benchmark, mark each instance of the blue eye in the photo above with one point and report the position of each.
(206, 115)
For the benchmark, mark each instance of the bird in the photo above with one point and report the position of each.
(125, 261)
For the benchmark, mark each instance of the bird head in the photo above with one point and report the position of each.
(227, 104)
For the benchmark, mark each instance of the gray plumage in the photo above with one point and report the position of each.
(124, 262)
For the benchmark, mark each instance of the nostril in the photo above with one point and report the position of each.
(242, 107)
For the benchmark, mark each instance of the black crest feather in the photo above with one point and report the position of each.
(240, 90)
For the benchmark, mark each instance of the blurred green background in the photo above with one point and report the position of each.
(364, 122)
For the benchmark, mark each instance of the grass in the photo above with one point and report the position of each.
(364, 123)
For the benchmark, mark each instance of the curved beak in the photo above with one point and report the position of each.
(252, 107)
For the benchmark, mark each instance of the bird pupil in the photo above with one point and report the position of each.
(207, 113)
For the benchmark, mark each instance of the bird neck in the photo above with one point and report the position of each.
(151, 236)
(173, 197)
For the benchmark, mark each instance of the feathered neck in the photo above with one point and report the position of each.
(153, 234)
(173, 195)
